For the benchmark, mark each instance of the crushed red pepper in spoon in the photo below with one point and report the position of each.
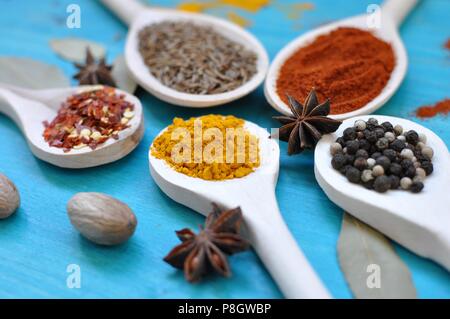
(89, 118)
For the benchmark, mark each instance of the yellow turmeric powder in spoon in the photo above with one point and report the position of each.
(211, 147)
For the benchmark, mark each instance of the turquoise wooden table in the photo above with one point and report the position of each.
(38, 243)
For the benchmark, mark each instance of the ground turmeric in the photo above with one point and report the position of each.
(211, 147)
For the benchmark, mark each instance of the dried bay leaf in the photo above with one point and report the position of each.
(74, 49)
(370, 264)
(32, 74)
(122, 76)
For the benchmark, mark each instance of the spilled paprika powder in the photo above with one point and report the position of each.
(349, 66)
(427, 111)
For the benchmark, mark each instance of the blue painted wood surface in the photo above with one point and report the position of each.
(38, 243)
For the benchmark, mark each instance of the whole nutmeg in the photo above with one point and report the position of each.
(100, 218)
(9, 197)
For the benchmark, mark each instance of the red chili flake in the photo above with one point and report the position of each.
(100, 111)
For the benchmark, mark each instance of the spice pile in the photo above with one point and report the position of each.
(203, 147)
(382, 156)
(89, 118)
(350, 66)
(442, 107)
(195, 59)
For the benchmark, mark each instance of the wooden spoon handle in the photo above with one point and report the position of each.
(398, 9)
(8, 103)
(127, 11)
(285, 261)
(278, 250)
(26, 113)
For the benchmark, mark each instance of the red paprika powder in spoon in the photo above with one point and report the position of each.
(349, 66)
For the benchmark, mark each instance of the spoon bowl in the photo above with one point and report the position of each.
(30, 108)
(393, 12)
(139, 16)
(420, 222)
(255, 194)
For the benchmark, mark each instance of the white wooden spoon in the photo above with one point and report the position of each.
(30, 108)
(138, 16)
(392, 14)
(255, 194)
(420, 222)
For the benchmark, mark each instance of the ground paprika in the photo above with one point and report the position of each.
(349, 66)
(442, 107)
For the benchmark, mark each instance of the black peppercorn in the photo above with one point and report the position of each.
(395, 181)
(362, 153)
(384, 162)
(410, 171)
(406, 163)
(382, 183)
(420, 157)
(352, 146)
(412, 137)
(376, 155)
(388, 127)
(344, 169)
(360, 163)
(370, 136)
(390, 153)
(427, 167)
(364, 144)
(349, 159)
(395, 169)
(398, 145)
(416, 187)
(349, 133)
(341, 141)
(353, 175)
(372, 121)
(373, 149)
(338, 161)
(379, 131)
(382, 143)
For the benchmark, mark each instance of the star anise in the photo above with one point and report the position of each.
(93, 72)
(307, 124)
(207, 250)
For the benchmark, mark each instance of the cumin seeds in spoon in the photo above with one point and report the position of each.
(195, 59)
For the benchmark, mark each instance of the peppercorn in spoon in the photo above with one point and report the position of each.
(140, 17)
(391, 16)
(30, 109)
(418, 221)
(255, 194)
